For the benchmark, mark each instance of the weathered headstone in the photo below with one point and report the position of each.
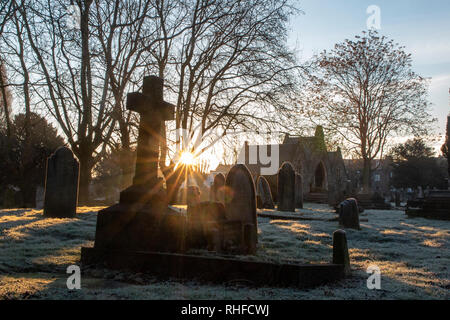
(9, 197)
(349, 214)
(40, 192)
(264, 194)
(420, 193)
(340, 250)
(195, 236)
(298, 191)
(286, 188)
(397, 198)
(217, 192)
(204, 220)
(240, 207)
(61, 184)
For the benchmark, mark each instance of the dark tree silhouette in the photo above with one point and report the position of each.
(23, 158)
(414, 164)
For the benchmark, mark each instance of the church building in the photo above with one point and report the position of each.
(323, 172)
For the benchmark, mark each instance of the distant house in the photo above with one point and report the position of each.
(380, 175)
(323, 172)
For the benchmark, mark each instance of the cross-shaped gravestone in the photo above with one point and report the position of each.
(153, 110)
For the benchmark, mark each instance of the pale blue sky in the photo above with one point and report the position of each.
(423, 27)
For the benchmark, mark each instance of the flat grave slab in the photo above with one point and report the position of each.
(215, 269)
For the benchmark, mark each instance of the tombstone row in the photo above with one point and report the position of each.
(289, 190)
(227, 222)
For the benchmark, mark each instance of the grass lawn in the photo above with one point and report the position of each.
(412, 254)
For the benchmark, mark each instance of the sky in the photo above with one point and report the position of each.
(423, 27)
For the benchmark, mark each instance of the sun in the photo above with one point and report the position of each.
(187, 158)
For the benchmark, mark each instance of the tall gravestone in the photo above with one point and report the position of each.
(240, 207)
(397, 198)
(61, 184)
(142, 220)
(217, 192)
(264, 194)
(420, 193)
(298, 191)
(286, 188)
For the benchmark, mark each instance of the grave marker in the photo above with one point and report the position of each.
(61, 184)
(240, 207)
(286, 188)
(298, 191)
(264, 194)
(349, 214)
(217, 192)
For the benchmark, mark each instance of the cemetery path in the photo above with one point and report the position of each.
(413, 256)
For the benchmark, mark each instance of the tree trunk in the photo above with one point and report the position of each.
(366, 175)
(5, 101)
(85, 179)
(447, 141)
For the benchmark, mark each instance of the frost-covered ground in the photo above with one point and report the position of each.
(413, 255)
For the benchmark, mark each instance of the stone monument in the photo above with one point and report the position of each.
(286, 188)
(217, 192)
(142, 219)
(240, 211)
(61, 184)
(264, 194)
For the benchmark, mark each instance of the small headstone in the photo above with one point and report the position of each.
(298, 191)
(397, 199)
(264, 194)
(192, 196)
(340, 250)
(217, 192)
(203, 220)
(40, 192)
(420, 193)
(240, 206)
(349, 214)
(9, 197)
(286, 188)
(61, 184)
(403, 197)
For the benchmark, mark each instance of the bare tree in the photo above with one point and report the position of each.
(75, 89)
(6, 10)
(225, 63)
(230, 68)
(365, 92)
(5, 100)
(130, 32)
(446, 147)
(16, 47)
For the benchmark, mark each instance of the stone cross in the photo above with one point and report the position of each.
(153, 110)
